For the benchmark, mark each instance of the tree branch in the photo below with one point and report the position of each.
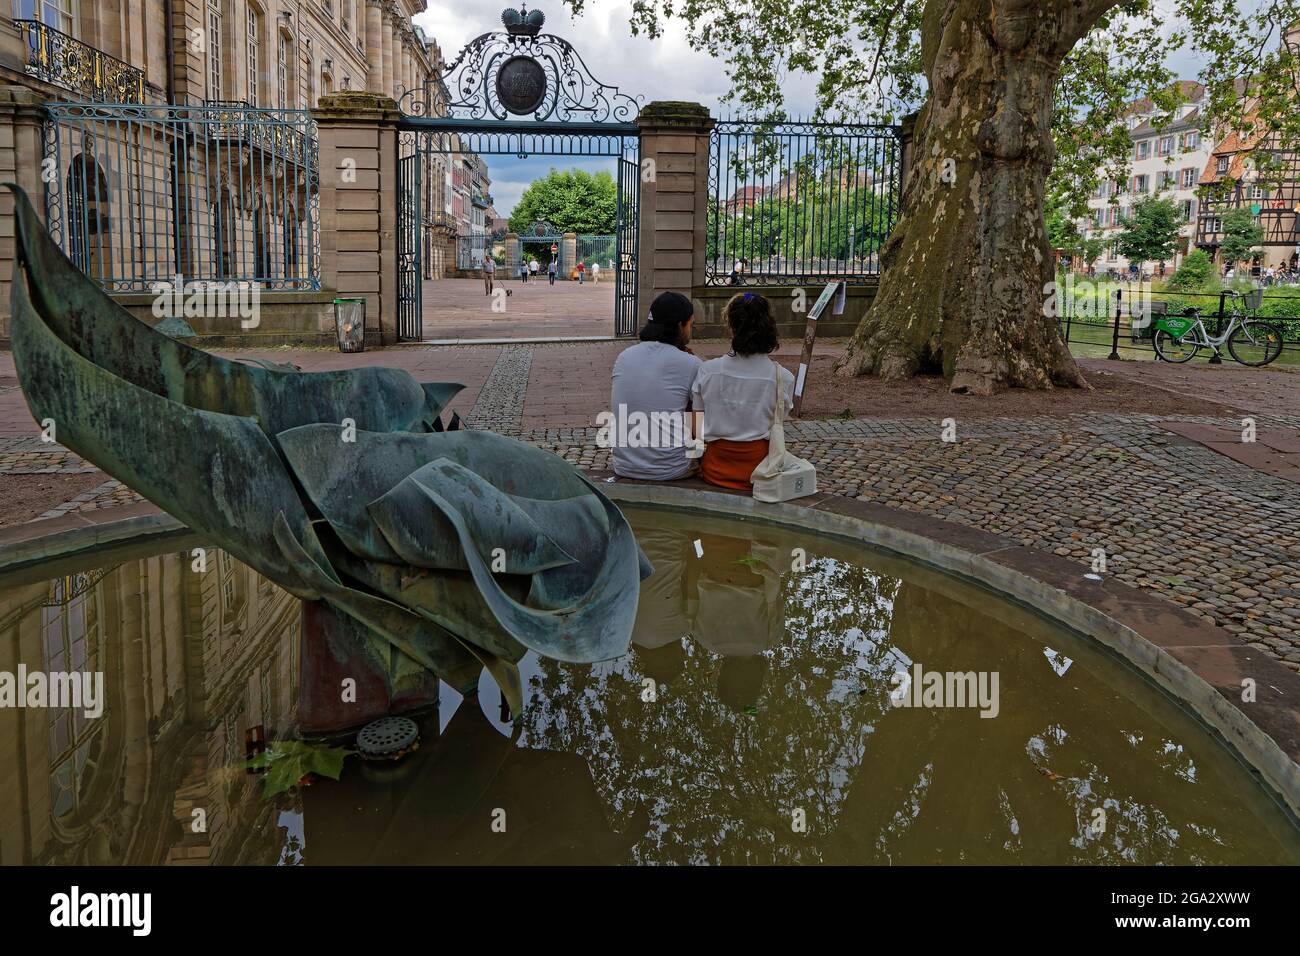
(1077, 18)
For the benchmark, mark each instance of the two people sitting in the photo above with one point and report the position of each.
(682, 406)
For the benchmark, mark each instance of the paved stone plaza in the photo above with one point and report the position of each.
(1177, 506)
(460, 310)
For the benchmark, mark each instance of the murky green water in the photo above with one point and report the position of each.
(751, 723)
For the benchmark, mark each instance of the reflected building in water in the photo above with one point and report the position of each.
(191, 660)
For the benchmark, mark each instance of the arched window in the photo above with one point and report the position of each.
(60, 14)
(223, 235)
(216, 69)
(89, 225)
(261, 241)
(70, 633)
(254, 60)
(282, 53)
(290, 241)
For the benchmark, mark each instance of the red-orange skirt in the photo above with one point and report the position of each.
(728, 464)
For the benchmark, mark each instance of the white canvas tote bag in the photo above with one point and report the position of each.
(782, 476)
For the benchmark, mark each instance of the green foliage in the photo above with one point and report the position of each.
(1242, 235)
(287, 761)
(571, 200)
(1063, 233)
(1192, 275)
(867, 61)
(1151, 233)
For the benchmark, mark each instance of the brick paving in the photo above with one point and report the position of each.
(459, 310)
(1173, 507)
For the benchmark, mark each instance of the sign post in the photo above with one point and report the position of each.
(834, 290)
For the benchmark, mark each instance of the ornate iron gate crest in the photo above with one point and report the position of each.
(521, 72)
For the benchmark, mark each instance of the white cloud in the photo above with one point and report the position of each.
(505, 193)
(662, 69)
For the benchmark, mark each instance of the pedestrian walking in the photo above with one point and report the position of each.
(532, 269)
(523, 271)
(489, 273)
(595, 272)
(550, 271)
(582, 271)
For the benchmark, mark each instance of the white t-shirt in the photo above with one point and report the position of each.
(489, 266)
(738, 397)
(652, 377)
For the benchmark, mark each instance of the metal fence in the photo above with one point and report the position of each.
(470, 251)
(597, 249)
(1105, 317)
(139, 194)
(791, 203)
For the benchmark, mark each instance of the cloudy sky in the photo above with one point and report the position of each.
(665, 69)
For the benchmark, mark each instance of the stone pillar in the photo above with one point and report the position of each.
(374, 46)
(513, 250)
(358, 214)
(390, 75)
(674, 200)
(568, 253)
(22, 147)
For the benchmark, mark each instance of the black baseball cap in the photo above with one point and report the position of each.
(671, 309)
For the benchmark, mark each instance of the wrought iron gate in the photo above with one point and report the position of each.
(410, 287)
(629, 216)
(517, 92)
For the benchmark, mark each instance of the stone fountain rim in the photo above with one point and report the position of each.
(1183, 655)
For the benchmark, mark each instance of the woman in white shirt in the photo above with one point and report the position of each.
(737, 395)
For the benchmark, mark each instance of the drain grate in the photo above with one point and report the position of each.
(387, 738)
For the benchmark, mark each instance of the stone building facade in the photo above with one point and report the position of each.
(1167, 161)
(192, 657)
(203, 166)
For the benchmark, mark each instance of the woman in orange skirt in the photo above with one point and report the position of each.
(736, 395)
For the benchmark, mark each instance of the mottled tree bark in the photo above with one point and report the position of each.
(963, 273)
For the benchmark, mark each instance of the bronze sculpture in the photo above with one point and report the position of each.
(455, 550)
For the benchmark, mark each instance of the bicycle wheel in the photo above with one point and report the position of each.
(1176, 350)
(1255, 343)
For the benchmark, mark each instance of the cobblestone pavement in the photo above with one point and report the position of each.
(1169, 514)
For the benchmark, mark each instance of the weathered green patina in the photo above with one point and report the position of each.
(461, 549)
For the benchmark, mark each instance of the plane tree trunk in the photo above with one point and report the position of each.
(963, 273)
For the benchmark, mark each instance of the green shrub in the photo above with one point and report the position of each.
(1194, 273)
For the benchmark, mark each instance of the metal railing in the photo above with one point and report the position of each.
(141, 194)
(237, 121)
(1102, 316)
(791, 203)
(55, 57)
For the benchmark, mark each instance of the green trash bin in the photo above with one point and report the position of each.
(350, 324)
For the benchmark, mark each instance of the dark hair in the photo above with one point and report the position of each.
(668, 313)
(753, 330)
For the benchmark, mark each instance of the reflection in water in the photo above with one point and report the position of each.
(755, 697)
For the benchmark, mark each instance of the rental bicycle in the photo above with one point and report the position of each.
(1250, 341)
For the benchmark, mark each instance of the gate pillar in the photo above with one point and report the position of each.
(22, 146)
(674, 199)
(358, 204)
(513, 251)
(568, 254)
